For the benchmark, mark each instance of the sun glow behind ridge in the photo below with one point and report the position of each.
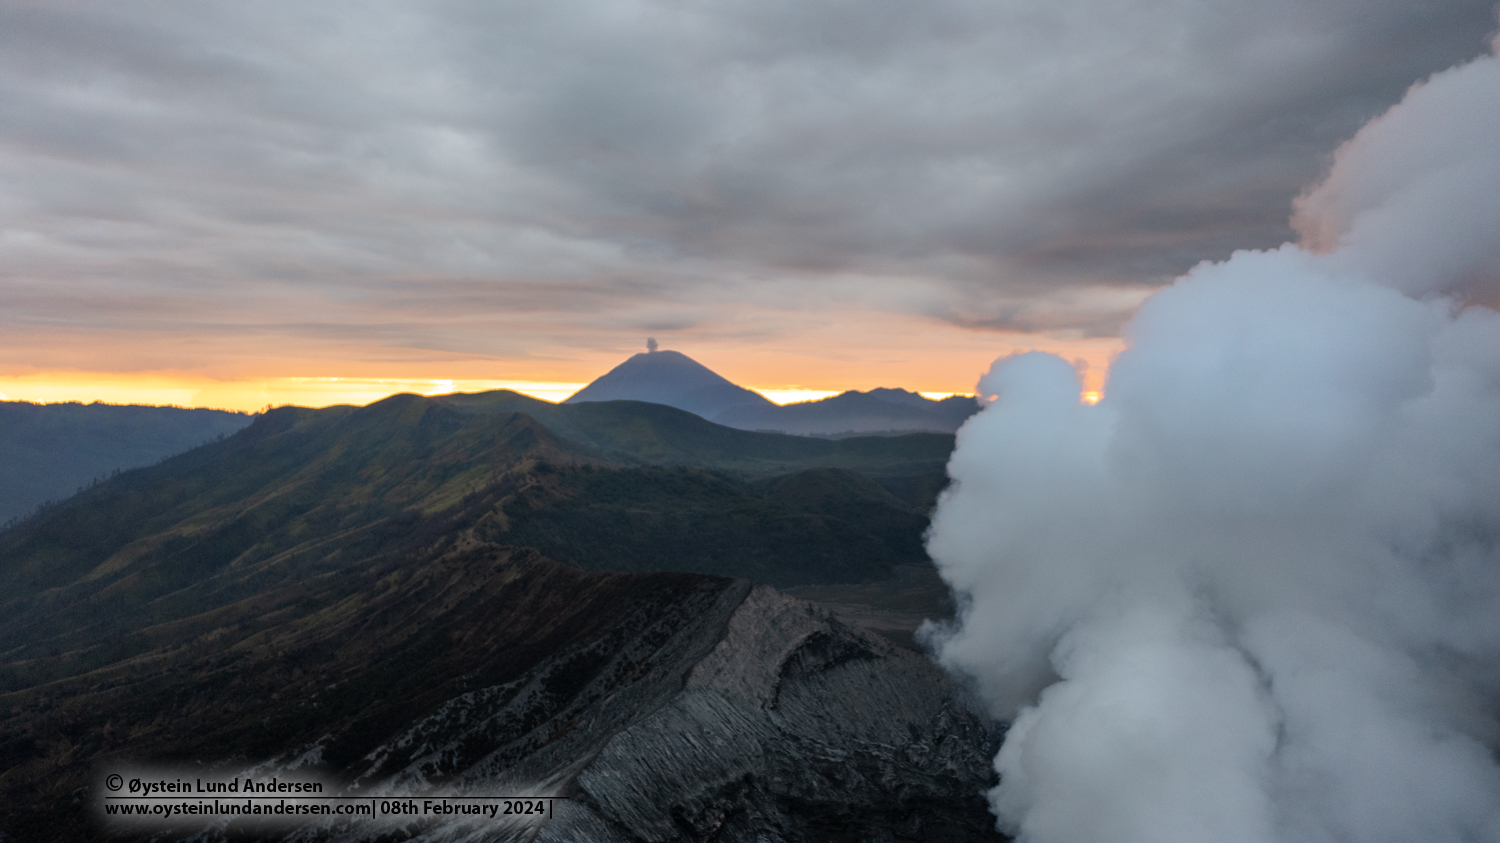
(794, 395)
(255, 394)
(251, 394)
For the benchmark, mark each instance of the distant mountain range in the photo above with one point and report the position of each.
(50, 451)
(879, 411)
(488, 591)
(676, 380)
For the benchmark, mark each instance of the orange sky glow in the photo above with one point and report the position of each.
(877, 350)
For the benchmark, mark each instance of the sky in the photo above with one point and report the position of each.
(226, 204)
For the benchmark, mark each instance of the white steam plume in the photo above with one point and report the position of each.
(1254, 593)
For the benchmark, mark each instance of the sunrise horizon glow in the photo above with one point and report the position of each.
(318, 392)
(940, 364)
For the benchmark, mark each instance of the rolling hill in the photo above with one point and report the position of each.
(619, 486)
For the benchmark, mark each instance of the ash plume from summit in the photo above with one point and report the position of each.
(1254, 593)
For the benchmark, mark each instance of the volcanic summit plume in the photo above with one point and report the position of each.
(1254, 594)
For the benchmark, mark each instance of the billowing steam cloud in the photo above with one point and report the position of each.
(1254, 593)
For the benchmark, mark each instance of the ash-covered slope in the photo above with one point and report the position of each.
(795, 728)
(764, 718)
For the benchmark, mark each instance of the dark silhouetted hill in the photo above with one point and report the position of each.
(695, 706)
(49, 451)
(670, 378)
(879, 411)
(676, 380)
(655, 434)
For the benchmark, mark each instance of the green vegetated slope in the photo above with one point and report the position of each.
(336, 572)
(49, 451)
(613, 486)
(652, 488)
(298, 493)
(637, 432)
(663, 518)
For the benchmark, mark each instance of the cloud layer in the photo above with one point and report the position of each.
(500, 178)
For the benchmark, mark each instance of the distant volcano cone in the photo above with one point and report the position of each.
(671, 378)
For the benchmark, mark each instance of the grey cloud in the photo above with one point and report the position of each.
(998, 150)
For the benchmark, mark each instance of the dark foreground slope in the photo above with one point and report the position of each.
(347, 589)
(49, 451)
(665, 706)
(795, 728)
(347, 657)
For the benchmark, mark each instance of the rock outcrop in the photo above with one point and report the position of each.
(796, 727)
(766, 719)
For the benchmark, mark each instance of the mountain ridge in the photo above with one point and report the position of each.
(308, 490)
(676, 380)
(880, 411)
